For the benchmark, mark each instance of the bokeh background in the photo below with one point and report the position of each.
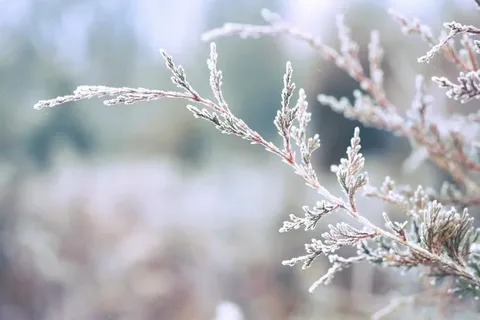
(143, 212)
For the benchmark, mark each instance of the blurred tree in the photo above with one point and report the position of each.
(63, 123)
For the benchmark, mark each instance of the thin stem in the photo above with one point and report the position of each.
(458, 270)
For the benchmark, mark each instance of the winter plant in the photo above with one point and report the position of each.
(438, 236)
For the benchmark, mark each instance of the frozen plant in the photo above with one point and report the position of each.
(438, 236)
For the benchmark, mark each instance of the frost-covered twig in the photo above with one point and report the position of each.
(374, 109)
(438, 240)
(455, 29)
(414, 26)
(346, 59)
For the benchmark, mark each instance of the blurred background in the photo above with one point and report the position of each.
(143, 212)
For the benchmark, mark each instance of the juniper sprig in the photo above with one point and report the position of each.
(436, 240)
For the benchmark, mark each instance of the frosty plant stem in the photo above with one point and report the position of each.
(438, 242)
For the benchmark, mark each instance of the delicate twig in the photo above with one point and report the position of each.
(415, 27)
(436, 238)
(455, 29)
(278, 26)
(380, 112)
